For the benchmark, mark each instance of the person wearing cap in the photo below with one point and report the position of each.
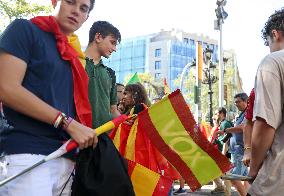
(43, 87)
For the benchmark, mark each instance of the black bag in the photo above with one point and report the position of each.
(101, 171)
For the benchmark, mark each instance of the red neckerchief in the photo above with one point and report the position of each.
(80, 77)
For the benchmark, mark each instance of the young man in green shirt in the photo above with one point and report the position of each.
(100, 168)
(223, 124)
(221, 114)
(103, 39)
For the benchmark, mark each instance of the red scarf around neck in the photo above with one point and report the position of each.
(80, 77)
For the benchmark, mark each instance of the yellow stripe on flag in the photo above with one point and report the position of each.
(116, 139)
(176, 137)
(144, 180)
(75, 43)
(130, 146)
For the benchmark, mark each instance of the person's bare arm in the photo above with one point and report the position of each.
(114, 111)
(262, 138)
(236, 129)
(14, 95)
(247, 131)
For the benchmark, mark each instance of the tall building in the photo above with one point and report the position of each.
(163, 54)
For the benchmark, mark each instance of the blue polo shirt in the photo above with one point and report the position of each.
(48, 77)
(236, 141)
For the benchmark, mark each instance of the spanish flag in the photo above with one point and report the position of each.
(147, 182)
(136, 147)
(205, 129)
(167, 89)
(172, 129)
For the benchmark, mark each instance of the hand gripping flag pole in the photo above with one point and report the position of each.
(70, 145)
(229, 176)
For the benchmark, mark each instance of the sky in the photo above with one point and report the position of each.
(241, 30)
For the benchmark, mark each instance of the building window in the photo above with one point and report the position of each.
(157, 75)
(158, 52)
(185, 40)
(157, 65)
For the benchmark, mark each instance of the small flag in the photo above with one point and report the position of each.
(134, 79)
(172, 129)
(205, 129)
(167, 89)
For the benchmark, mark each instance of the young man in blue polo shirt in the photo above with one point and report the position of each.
(39, 88)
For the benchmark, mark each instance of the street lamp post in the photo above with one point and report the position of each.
(186, 67)
(209, 79)
(221, 15)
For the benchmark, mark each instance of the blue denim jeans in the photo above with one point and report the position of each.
(239, 168)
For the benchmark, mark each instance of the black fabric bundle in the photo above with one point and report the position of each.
(101, 171)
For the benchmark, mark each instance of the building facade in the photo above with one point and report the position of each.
(163, 54)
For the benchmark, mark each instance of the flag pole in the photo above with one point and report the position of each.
(68, 146)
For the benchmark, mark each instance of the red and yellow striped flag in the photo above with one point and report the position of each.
(167, 89)
(205, 129)
(147, 182)
(134, 144)
(136, 147)
(172, 129)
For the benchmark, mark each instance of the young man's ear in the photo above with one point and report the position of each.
(276, 34)
(97, 37)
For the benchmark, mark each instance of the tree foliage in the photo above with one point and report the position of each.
(12, 9)
(188, 91)
(154, 88)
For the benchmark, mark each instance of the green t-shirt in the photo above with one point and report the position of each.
(102, 91)
(223, 125)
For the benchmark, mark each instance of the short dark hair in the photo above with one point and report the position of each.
(92, 3)
(222, 110)
(104, 28)
(242, 96)
(119, 84)
(275, 21)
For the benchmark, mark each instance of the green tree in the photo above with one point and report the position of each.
(188, 86)
(154, 88)
(188, 91)
(12, 9)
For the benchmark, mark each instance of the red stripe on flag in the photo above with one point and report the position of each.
(163, 186)
(116, 121)
(189, 124)
(131, 166)
(173, 157)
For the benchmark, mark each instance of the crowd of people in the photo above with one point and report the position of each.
(52, 91)
(228, 138)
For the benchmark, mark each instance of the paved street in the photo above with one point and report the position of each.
(205, 190)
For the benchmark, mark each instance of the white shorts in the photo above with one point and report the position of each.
(47, 179)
